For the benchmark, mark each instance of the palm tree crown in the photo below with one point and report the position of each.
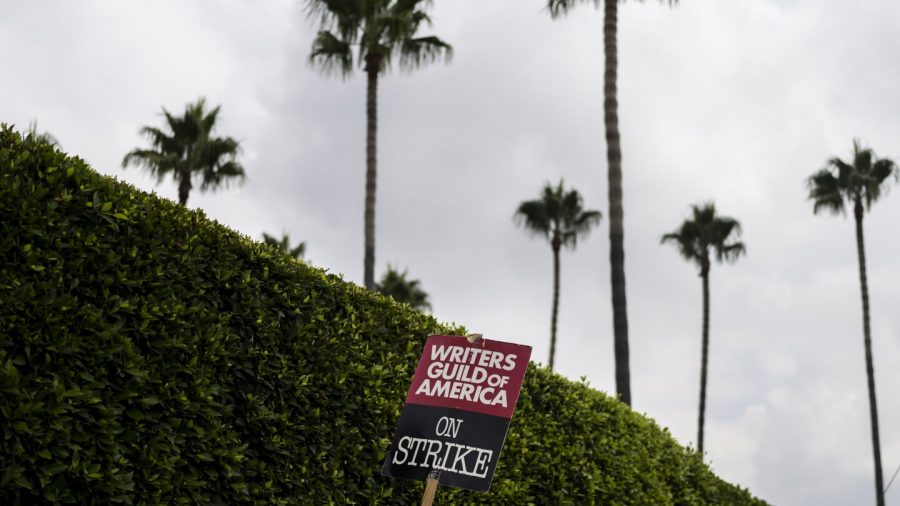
(284, 245)
(559, 217)
(378, 29)
(861, 181)
(186, 148)
(395, 285)
(706, 231)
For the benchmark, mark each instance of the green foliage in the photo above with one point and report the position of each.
(395, 285)
(151, 356)
(284, 245)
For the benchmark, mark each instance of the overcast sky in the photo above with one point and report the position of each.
(734, 101)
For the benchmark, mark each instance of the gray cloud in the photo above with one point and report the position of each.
(733, 101)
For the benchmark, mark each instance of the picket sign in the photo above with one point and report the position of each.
(458, 408)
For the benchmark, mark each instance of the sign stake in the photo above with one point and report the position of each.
(431, 485)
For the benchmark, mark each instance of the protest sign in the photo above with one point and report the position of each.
(457, 411)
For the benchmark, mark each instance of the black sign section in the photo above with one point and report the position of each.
(463, 445)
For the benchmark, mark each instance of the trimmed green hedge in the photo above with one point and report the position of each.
(149, 355)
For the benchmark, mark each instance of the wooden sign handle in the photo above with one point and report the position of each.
(431, 485)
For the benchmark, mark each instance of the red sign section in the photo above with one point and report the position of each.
(484, 376)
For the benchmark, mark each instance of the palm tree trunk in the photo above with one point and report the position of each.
(555, 301)
(373, 65)
(616, 229)
(184, 188)
(704, 357)
(867, 339)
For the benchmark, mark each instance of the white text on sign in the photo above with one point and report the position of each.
(463, 373)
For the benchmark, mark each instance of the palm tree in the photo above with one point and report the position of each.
(378, 30)
(187, 148)
(284, 245)
(614, 176)
(859, 183)
(395, 285)
(559, 217)
(695, 239)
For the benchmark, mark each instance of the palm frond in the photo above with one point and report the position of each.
(205, 120)
(876, 179)
(395, 284)
(397, 24)
(284, 245)
(411, 5)
(579, 225)
(584, 222)
(222, 174)
(532, 216)
(419, 52)
(331, 54)
(559, 8)
(723, 227)
(730, 252)
(862, 157)
(210, 150)
(825, 190)
(685, 242)
(883, 169)
(298, 251)
(343, 16)
(156, 163)
(162, 141)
